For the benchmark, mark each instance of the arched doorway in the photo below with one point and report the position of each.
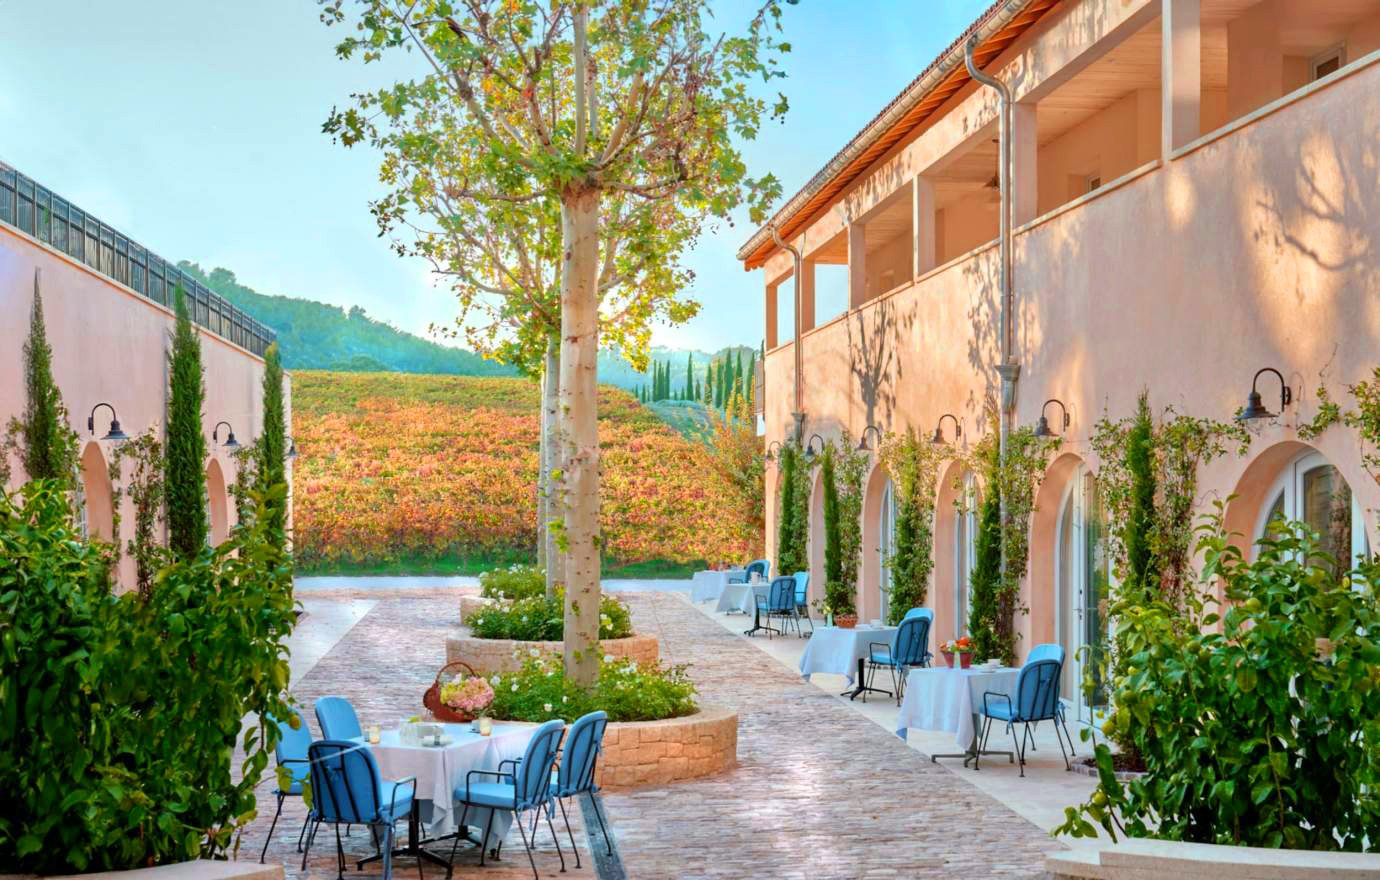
(95, 510)
(1083, 583)
(876, 522)
(217, 504)
(965, 514)
(816, 535)
(1311, 489)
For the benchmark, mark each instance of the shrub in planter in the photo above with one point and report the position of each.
(119, 714)
(539, 619)
(1263, 733)
(513, 582)
(540, 691)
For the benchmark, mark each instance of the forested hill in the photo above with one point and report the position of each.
(318, 336)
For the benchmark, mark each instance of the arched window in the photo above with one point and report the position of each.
(1083, 571)
(1310, 489)
(965, 550)
(886, 546)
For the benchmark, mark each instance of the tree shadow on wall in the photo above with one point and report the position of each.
(873, 334)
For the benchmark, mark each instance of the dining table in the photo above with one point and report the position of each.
(741, 597)
(844, 651)
(706, 585)
(439, 771)
(944, 698)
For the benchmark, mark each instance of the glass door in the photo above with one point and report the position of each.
(887, 546)
(965, 552)
(1083, 584)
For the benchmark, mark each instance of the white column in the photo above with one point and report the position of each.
(1181, 73)
(922, 228)
(1025, 148)
(857, 266)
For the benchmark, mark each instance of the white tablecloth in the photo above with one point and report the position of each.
(706, 585)
(440, 770)
(741, 597)
(945, 699)
(836, 650)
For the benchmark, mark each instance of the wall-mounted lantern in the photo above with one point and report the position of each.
(863, 445)
(1042, 427)
(1255, 409)
(810, 448)
(115, 433)
(938, 438)
(230, 441)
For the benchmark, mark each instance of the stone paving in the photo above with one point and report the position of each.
(819, 792)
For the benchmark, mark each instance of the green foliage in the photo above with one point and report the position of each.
(515, 581)
(625, 690)
(145, 489)
(1364, 419)
(1257, 723)
(271, 446)
(119, 714)
(542, 619)
(985, 623)
(792, 536)
(833, 561)
(1140, 565)
(185, 466)
(47, 445)
(851, 468)
(913, 465)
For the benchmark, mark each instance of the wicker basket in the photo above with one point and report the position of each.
(432, 698)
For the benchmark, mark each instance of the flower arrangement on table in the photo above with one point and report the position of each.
(467, 697)
(961, 648)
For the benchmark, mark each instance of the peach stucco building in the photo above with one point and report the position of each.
(107, 303)
(1195, 195)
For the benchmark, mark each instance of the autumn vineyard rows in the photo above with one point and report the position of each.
(396, 466)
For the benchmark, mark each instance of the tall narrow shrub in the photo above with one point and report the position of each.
(185, 481)
(47, 444)
(272, 447)
(791, 553)
(1140, 463)
(833, 556)
(984, 608)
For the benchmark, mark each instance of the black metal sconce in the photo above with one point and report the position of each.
(862, 444)
(292, 448)
(230, 441)
(1042, 427)
(115, 433)
(773, 450)
(1255, 409)
(810, 447)
(938, 438)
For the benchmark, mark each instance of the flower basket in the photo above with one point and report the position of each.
(965, 659)
(432, 698)
(845, 621)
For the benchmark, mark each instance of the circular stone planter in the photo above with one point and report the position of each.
(659, 752)
(508, 655)
(472, 605)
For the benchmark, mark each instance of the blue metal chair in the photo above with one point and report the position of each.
(779, 602)
(346, 789)
(290, 752)
(583, 744)
(1051, 651)
(527, 786)
(909, 649)
(802, 602)
(337, 719)
(1037, 699)
(757, 566)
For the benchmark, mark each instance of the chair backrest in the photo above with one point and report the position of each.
(919, 612)
(802, 586)
(759, 566)
(337, 719)
(911, 643)
(293, 745)
(582, 744)
(1047, 651)
(533, 777)
(1037, 690)
(781, 595)
(345, 783)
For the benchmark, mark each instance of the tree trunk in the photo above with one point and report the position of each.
(580, 430)
(550, 502)
(543, 475)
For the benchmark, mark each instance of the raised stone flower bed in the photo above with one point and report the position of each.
(660, 752)
(507, 655)
(472, 605)
(196, 870)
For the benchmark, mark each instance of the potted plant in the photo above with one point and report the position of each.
(838, 602)
(960, 649)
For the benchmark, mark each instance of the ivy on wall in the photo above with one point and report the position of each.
(913, 465)
(144, 454)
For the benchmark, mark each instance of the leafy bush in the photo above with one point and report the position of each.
(513, 582)
(625, 690)
(119, 714)
(1263, 733)
(539, 619)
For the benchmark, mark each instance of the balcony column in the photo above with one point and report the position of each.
(857, 266)
(1181, 73)
(1025, 148)
(922, 227)
(772, 339)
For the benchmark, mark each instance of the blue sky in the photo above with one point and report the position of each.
(195, 128)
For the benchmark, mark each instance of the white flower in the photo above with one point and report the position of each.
(524, 618)
(565, 699)
(534, 652)
(514, 688)
(546, 707)
(551, 673)
(608, 658)
(495, 680)
(480, 621)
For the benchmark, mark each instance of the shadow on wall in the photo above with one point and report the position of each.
(873, 336)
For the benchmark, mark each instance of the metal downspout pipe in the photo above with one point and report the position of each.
(798, 413)
(1006, 367)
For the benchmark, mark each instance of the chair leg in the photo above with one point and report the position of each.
(554, 836)
(523, 831)
(488, 828)
(1065, 722)
(594, 802)
(981, 735)
(388, 853)
(306, 850)
(339, 855)
(301, 835)
(566, 819)
(896, 684)
(272, 825)
(1028, 737)
(1060, 740)
(1020, 750)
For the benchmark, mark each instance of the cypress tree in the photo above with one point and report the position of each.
(738, 372)
(1141, 573)
(185, 480)
(789, 558)
(272, 447)
(833, 558)
(49, 448)
(984, 608)
(689, 376)
(750, 387)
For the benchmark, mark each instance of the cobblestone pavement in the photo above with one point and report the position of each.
(819, 792)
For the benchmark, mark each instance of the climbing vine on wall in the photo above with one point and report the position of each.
(850, 469)
(144, 454)
(913, 465)
(1364, 419)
